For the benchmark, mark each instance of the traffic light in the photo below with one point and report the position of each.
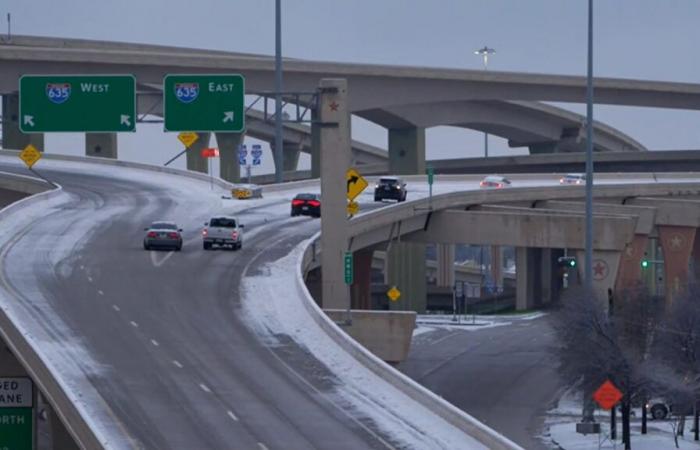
(645, 263)
(567, 261)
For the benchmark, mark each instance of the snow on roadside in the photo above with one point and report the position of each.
(393, 412)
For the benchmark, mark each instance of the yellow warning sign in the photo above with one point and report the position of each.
(353, 208)
(30, 155)
(188, 138)
(355, 184)
(393, 293)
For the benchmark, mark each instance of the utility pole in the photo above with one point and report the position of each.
(279, 147)
(484, 53)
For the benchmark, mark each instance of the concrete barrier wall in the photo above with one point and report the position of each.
(23, 348)
(387, 334)
(450, 413)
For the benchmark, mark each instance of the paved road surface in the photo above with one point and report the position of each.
(504, 376)
(178, 368)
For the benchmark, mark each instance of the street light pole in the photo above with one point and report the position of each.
(484, 53)
(589, 158)
(279, 150)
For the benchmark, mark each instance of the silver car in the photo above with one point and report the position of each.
(163, 235)
(222, 231)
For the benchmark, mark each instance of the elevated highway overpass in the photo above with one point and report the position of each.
(405, 100)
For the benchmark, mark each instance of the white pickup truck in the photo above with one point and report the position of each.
(223, 231)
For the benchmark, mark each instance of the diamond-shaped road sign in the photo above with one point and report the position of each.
(355, 184)
(607, 395)
(353, 208)
(188, 138)
(30, 155)
(393, 293)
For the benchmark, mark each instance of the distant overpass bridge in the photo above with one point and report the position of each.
(405, 100)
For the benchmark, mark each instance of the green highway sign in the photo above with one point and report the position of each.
(16, 428)
(77, 103)
(347, 264)
(203, 103)
(16, 413)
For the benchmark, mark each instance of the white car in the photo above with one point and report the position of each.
(222, 231)
(494, 182)
(573, 178)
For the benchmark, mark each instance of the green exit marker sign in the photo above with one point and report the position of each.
(347, 264)
(77, 103)
(204, 103)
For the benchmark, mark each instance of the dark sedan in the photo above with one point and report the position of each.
(306, 205)
(163, 235)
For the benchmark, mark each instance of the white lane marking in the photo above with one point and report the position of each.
(100, 292)
(154, 342)
(116, 308)
(154, 258)
(134, 324)
(177, 364)
(232, 415)
(90, 279)
(262, 446)
(205, 388)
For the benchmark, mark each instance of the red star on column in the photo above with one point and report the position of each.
(599, 269)
(334, 106)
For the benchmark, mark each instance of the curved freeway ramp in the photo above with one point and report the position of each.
(162, 350)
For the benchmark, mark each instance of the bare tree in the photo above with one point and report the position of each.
(596, 345)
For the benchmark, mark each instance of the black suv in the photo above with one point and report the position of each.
(391, 188)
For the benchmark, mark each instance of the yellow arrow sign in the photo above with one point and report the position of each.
(30, 155)
(188, 138)
(393, 293)
(353, 208)
(355, 184)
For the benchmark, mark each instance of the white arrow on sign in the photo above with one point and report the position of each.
(29, 120)
(125, 120)
(228, 116)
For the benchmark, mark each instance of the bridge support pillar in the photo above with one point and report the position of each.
(497, 265)
(407, 151)
(606, 265)
(360, 290)
(195, 162)
(406, 269)
(315, 145)
(12, 137)
(445, 265)
(228, 144)
(335, 146)
(102, 145)
(548, 281)
(677, 243)
(544, 147)
(630, 273)
(525, 279)
(291, 152)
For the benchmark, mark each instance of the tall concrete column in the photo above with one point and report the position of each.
(315, 145)
(12, 137)
(360, 290)
(407, 151)
(630, 272)
(406, 269)
(445, 265)
(677, 244)
(335, 160)
(291, 155)
(102, 145)
(696, 260)
(606, 265)
(497, 265)
(524, 275)
(547, 276)
(228, 144)
(195, 162)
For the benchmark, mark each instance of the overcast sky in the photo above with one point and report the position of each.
(644, 39)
